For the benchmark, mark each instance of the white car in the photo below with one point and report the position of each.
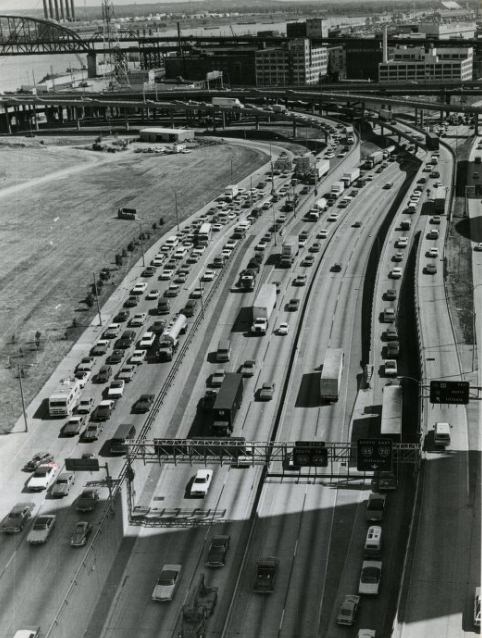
(391, 369)
(112, 331)
(166, 274)
(208, 275)
(138, 319)
(366, 633)
(139, 288)
(157, 261)
(153, 294)
(147, 340)
(201, 482)
(402, 242)
(138, 357)
(283, 328)
(43, 476)
(395, 273)
(432, 252)
(41, 530)
(126, 373)
(116, 389)
(478, 246)
(332, 218)
(217, 227)
(370, 577)
(166, 583)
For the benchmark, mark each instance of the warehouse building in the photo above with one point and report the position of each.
(157, 134)
(297, 62)
(432, 65)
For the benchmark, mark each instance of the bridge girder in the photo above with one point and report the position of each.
(21, 35)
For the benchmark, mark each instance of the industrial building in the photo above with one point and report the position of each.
(157, 134)
(296, 62)
(312, 28)
(427, 65)
(236, 63)
(362, 58)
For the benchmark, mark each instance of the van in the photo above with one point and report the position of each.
(223, 352)
(441, 434)
(126, 432)
(373, 542)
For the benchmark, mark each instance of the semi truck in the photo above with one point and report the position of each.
(373, 159)
(227, 404)
(127, 213)
(351, 176)
(170, 338)
(263, 307)
(227, 102)
(432, 141)
(337, 189)
(289, 250)
(439, 197)
(330, 379)
(319, 169)
(247, 279)
(231, 191)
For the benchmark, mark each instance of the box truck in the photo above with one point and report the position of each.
(227, 404)
(289, 250)
(349, 177)
(330, 379)
(337, 189)
(263, 307)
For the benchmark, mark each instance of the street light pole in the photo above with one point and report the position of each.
(97, 300)
(177, 212)
(142, 246)
(20, 374)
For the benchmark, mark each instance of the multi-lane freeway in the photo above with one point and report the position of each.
(312, 525)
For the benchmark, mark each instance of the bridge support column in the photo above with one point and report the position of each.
(172, 119)
(5, 121)
(422, 113)
(126, 117)
(294, 128)
(224, 118)
(91, 65)
(256, 123)
(476, 124)
(415, 119)
(35, 119)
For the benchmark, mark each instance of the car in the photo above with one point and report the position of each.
(158, 327)
(166, 274)
(87, 500)
(348, 610)
(422, 180)
(393, 350)
(153, 295)
(83, 376)
(150, 271)
(266, 392)
(131, 302)
(433, 234)
(478, 247)
(218, 548)
(436, 219)
(434, 174)
(116, 389)
(397, 257)
(91, 433)
(86, 363)
(127, 373)
(388, 185)
(477, 607)
(81, 533)
(179, 279)
(84, 406)
(163, 307)
(336, 267)
(217, 378)
(356, 225)
(103, 411)
(43, 476)
(138, 319)
(300, 280)
(139, 288)
(122, 316)
(390, 294)
(402, 242)
(391, 368)
(74, 425)
(143, 404)
(391, 334)
(332, 218)
(147, 340)
(248, 368)
(370, 578)
(41, 530)
(201, 482)
(430, 269)
(63, 484)
(208, 275)
(116, 356)
(112, 331)
(369, 178)
(166, 583)
(293, 304)
(283, 328)
(138, 357)
(104, 374)
(126, 340)
(322, 234)
(16, 519)
(100, 348)
(395, 273)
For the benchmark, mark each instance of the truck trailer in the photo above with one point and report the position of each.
(432, 141)
(231, 191)
(337, 189)
(330, 379)
(373, 159)
(227, 404)
(227, 102)
(350, 177)
(318, 170)
(289, 250)
(263, 307)
(439, 198)
(170, 338)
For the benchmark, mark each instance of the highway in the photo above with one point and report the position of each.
(314, 526)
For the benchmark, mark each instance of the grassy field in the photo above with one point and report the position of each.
(59, 225)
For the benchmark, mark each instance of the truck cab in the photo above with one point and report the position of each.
(266, 569)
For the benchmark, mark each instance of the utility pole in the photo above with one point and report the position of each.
(177, 212)
(20, 375)
(97, 300)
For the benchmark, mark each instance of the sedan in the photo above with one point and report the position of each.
(391, 369)
(266, 392)
(217, 551)
(127, 373)
(81, 533)
(332, 218)
(166, 274)
(138, 319)
(293, 304)
(432, 252)
(131, 302)
(348, 610)
(91, 433)
(153, 294)
(143, 404)
(116, 389)
(166, 583)
(138, 357)
(87, 500)
(100, 348)
(139, 288)
(390, 294)
(435, 219)
(147, 340)
(73, 425)
(309, 260)
(201, 483)
(208, 275)
(217, 378)
(402, 242)
(478, 247)
(370, 577)
(115, 357)
(283, 328)
(300, 280)
(323, 234)
(63, 484)
(42, 477)
(395, 273)
(122, 316)
(248, 368)
(430, 269)
(397, 257)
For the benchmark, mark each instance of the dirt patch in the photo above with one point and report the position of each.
(57, 232)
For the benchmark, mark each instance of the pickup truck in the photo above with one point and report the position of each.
(41, 530)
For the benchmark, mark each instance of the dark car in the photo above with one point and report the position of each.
(115, 357)
(158, 327)
(104, 374)
(122, 316)
(390, 294)
(391, 334)
(91, 433)
(16, 519)
(217, 551)
(207, 401)
(163, 307)
(126, 339)
(87, 501)
(143, 404)
(293, 304)
(393, 349)
(131, 302)
(150, 271)
(100, 348)
(81, 533)
(37, 459)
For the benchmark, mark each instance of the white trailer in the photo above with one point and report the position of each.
(337, 189)
(170, 338)
(289, 250)
(330, 379)
(263, 307)
(231, 191)
(351, 176)
(227, 102)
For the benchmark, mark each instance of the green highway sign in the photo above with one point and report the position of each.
(450, 392)
(374, 454)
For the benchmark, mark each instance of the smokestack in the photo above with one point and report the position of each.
(51, 10)
(46, 11)
(62, 9)
(385, 45)
(72, 10)
(67, 10)
(56, 2)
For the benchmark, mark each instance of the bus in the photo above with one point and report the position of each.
(392, 403)
(203, 234)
